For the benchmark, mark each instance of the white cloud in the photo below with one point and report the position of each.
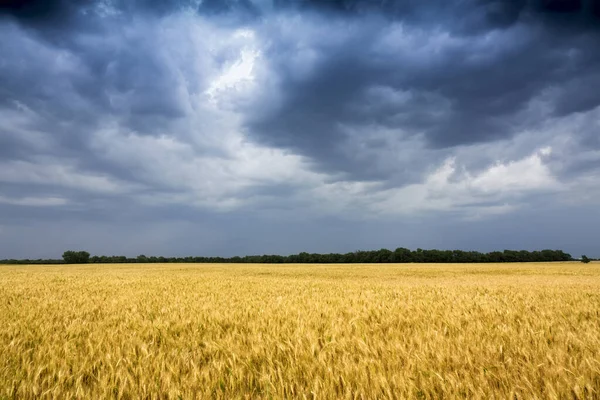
(448, 189)
(529, 173)
(239, 74)
(500, 188)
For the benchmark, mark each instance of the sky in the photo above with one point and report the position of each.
(235, 127)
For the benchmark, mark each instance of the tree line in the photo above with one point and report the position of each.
(400, 255)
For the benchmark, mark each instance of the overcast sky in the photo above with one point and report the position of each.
(241, 127)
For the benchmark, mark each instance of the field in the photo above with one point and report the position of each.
(300, 331)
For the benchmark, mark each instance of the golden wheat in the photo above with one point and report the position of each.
(300, 331)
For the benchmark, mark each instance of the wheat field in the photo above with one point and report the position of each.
(526, 331)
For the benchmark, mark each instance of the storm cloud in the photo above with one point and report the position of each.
(358, 119)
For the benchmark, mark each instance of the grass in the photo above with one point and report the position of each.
(300, 331)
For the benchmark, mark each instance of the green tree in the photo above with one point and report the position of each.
(76, 257)
(585, 259)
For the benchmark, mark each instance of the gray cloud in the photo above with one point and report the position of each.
(244, 112)
(465, 80)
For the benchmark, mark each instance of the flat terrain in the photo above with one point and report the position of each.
(300, 331)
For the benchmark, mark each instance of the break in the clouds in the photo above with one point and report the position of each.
(275, 126)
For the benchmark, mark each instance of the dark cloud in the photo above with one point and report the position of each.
(456, 94)
(376, 90)
(504, 56)
(471, 16)
(465, 15)
(42, 11)
(215, 7)
(69, 89)
(45, 12)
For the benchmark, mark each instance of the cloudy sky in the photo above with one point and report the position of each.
(233, 127)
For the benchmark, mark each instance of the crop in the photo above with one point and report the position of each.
(300, 331)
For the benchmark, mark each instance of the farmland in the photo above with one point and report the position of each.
(300, 331)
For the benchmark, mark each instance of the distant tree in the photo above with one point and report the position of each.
(585, 259)
(402, 255)
(382, 256)
(76, 257)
